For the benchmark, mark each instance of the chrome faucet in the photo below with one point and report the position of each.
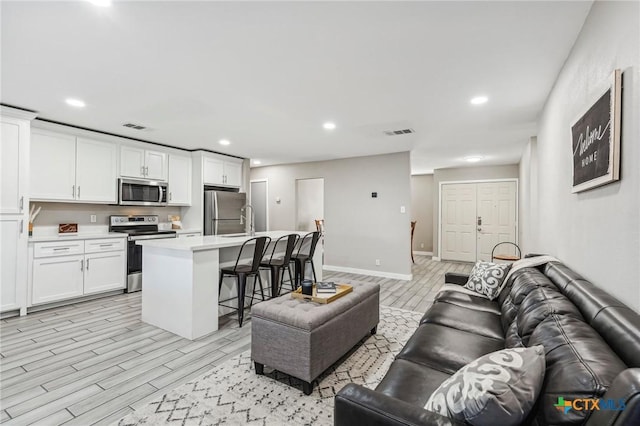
(252, 229)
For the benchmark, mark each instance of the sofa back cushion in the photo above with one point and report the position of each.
(579, 364)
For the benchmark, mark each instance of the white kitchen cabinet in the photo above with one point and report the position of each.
(52, 166)
(57, 278)
(189, 235)
(141, 163)
(232, 173)
(13, 165)
(13, 263)
(213, 171)
(179, 180)
(66, 269)
(104, 272)
(222, 172)
(66, 168)
(131, 162)
(96, 171)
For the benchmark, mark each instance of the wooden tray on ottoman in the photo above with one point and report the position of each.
(341, 290)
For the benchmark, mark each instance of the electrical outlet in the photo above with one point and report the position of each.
(421, 245)
(94, 219)
(403, 209)
(377, 262)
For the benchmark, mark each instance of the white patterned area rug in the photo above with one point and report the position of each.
(232, 394)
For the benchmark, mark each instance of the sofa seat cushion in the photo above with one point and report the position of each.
(446, 349)
(411, 382)
(579, 365)
(449, 294)
(478, 322)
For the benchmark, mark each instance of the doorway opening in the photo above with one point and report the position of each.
(258, 199)
(475, 216)
(309, 203)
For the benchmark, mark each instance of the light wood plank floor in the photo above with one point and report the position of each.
(93, 362)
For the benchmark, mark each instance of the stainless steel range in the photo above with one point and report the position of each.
(144, 227)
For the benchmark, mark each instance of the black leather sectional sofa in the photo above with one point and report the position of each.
(591, 341)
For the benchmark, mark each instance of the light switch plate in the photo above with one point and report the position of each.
(94, 219)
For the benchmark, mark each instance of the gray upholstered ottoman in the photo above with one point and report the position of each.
(303, 338)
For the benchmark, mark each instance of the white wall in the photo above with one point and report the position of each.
(528, 196)
(358, 228)
(595, 232)
(457, 174)
(422, 211)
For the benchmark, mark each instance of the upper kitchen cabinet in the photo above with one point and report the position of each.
(53, 166)
(14, 164)
(66, 168)
(96, 171)
(142, 163)
(179, 180)
(222, 172)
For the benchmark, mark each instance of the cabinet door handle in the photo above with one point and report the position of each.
(78, 191)
(21, 204)
(146, 170)
(142, 170)
(170, 196)
(106, 245)
(73, 191)
(22, 226)
(82, 264)
(61, 248)
(87, 264)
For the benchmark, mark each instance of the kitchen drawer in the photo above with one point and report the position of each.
(189, 235)
(58, 248)
(104, 244)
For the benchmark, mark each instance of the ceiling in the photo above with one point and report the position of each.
(267, 75)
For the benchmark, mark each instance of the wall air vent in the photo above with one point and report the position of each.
(398, 132)
(134, 126)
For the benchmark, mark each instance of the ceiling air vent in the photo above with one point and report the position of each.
(134, 126)
(398, 132)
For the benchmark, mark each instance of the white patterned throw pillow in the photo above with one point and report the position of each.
(486, 278)
(499, 388)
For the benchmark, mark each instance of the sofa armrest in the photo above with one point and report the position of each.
(456, 278)
(357, 405)
(624, 389)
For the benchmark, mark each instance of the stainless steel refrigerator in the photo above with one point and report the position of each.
(222, 212)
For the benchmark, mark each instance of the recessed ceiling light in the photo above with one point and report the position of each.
(329, 125)
(473, 158)
(256, 162)
(100, 3)
(75, 103)
(479, 100)
(224, 142)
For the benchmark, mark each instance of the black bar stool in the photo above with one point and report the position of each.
(277, 265)
(243, 271)
(306, 249)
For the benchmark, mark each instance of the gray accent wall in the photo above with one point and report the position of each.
(456, 174)
(358, 228)
(422, 211)
(596, 232)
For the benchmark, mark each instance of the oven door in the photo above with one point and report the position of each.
(132, 192)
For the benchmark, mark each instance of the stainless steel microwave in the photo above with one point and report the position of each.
(136, 192)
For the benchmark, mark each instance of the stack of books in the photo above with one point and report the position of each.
(325, 287)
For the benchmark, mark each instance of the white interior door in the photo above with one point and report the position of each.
(496, 218)
(259, 203)
(309, 203)
(459, 222)
(476, 217)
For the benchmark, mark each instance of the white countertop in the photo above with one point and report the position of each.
(210, 242)
(187, 231)
(94, 236)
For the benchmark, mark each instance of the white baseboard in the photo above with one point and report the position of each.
(423, 253)
(436, 258)
(405, 277)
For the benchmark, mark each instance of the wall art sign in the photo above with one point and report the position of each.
(595, 138)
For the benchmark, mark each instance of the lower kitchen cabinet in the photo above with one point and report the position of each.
(63, 270)
(103, 272)
(13, 263)
(57, 278)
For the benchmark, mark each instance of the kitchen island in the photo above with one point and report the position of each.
(180, 280)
